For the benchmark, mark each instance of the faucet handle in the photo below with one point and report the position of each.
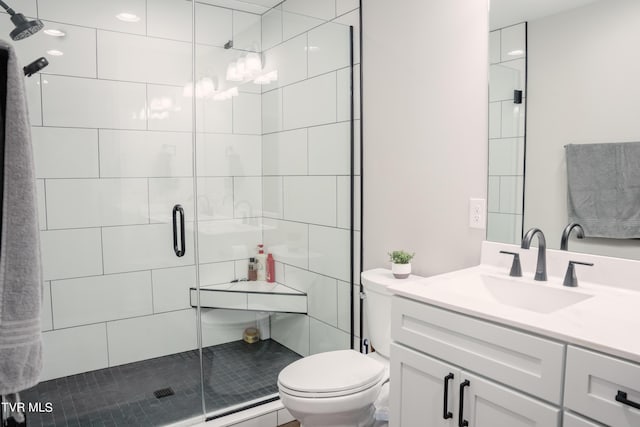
(570, 278)
(516, 268)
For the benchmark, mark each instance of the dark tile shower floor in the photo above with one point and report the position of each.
(234, 373)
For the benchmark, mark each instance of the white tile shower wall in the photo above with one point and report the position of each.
(112, 138)
(306, 166)
(506, 133)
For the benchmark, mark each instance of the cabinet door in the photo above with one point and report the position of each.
(418, 390)
(487, 404)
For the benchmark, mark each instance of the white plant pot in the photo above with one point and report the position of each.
(401, 271)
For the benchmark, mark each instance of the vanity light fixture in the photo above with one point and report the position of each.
(55, 33)
(128, 17)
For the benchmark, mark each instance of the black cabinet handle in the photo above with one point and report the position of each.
(446, 414)
(622, 398)
(177, 249)
(461, 421)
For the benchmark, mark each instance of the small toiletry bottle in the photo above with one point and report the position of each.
(261, 260)
(252, 274)
(271, 269)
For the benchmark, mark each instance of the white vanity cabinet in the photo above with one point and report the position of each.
(485, 355)
(594, 380)
(427, 392)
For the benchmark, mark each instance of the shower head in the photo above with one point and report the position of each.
(24, 27)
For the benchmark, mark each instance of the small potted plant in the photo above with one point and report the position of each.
(400, 264)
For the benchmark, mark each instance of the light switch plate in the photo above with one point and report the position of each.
(477, 213)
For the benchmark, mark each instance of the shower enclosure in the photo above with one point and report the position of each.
(170, 139)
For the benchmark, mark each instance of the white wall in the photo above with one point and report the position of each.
(583, 86)
(425, 130)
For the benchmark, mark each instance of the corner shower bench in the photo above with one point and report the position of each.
(257, 296)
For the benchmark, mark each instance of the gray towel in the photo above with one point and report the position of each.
(604, 188)
(20, 265)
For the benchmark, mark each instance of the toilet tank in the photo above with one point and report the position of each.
(377, 306)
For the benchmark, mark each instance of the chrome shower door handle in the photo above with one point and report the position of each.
(178, 249)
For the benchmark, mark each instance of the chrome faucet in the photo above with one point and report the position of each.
(541, 268)
(564, 242)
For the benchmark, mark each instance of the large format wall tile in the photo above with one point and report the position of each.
(146, 337)
(76, 51)
(289, 59)
(272, 197)
(310, 103)
(247, 31)
(288, 241)
(272, 111)
(169, 109)
(329, 251)
(130, 57)
(96, 299)
(247, 114)
(322, 293)
(46, 316)
(95, 13)
(247, 197)
(78, 203)
(228, 240)
(171, 288)
(292, 331)
(143, 247)
(65, 152)
(330, 149)
(344, 202)
(71, 253)
(272, 28)
(145, 154)
(229, 155)
(165, 193)
(90, 103)
(322, 9)
(323, 337)
(215, 198)
(34, 99)
(285, 153)
(74, 350)
(328, 48)
(310, 199)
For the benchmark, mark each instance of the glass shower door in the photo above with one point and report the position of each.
(273, 153)
(113, 142)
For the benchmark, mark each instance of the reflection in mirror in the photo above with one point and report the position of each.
(581, 79)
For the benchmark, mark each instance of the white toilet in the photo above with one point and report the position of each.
(338, 388)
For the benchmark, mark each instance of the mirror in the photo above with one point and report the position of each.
(577, 66)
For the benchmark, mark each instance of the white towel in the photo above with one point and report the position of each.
(20, 264)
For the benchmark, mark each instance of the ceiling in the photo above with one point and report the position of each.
(503, 13)
(253, 6)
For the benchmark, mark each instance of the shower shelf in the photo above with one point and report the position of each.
(257, 296)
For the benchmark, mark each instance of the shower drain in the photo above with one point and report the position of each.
(163, 392)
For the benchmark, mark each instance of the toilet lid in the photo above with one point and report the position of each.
(334, 372)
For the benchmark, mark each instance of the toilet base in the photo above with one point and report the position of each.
(362, 418)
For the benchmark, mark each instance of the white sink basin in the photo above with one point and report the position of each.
(540, 298)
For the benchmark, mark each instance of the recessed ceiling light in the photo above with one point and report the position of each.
(55, 33)
(516, 52)
(128, 17)
(55, 52)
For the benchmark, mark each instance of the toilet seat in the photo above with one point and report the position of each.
(331, 374)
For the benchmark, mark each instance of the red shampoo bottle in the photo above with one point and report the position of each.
(271, 269)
